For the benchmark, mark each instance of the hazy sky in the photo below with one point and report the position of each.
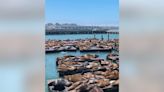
(84, 12)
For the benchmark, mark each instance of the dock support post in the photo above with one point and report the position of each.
(94, 36)
(102, 38)
(108, 36)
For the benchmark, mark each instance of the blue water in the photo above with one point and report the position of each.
(81, 36)
(50, 62)
(51, 71)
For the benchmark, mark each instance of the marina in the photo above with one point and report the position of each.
(89, 70)
(55, 71)
(82, 46)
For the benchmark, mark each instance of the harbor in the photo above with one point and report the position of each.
(83, 63)
(82, 46)
(90, 70)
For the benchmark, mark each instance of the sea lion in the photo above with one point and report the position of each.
(57, 85)
(105, 62)
(96, 89)
(74, 85)
(83, 88)
(113, 75)
(103, 82)
(88, 75)
(74, 78)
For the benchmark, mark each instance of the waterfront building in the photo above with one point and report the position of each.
(74, 28)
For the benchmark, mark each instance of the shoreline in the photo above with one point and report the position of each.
(79, 32)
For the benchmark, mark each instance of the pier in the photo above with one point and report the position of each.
(78, 29)
(51, 32)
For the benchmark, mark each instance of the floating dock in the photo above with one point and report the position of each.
(88, 45)
(78, 71)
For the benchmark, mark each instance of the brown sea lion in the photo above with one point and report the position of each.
(74, 78)
(88, 75)
(113, 75)
(74, 85)
(96, 89)
(103, 82)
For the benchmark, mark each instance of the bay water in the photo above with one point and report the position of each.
(50, 59)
